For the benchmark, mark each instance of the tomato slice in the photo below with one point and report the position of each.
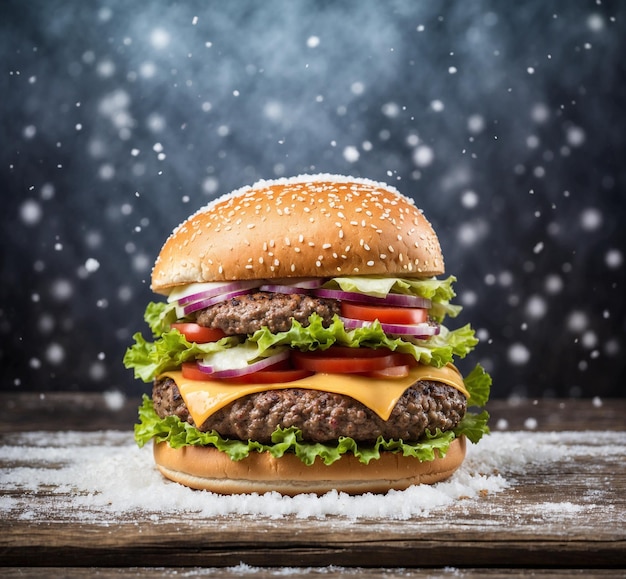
(333, 362)
(384, 314)
(276, 375)
(197, 333)
(192, 372)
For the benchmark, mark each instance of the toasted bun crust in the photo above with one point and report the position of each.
(308, 226)
(209, 469)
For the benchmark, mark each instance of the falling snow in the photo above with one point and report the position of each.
(502, 123)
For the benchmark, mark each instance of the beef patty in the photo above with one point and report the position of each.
(248, 313)
(322, 416)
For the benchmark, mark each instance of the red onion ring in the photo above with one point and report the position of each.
(205, 303)
(249, 369)
(418, 330)
(284, 289)
(401, 300)
(220, 289)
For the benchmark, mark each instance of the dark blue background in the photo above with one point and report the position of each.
(504, 121)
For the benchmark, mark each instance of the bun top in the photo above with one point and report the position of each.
(307, 226)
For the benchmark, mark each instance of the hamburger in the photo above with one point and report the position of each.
(302, 345)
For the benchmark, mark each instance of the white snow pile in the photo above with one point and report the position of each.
(103, 476)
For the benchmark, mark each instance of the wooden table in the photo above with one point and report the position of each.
(560, 516)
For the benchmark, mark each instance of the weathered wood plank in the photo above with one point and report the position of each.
(569, 512)
(256, 545)
(331, 572)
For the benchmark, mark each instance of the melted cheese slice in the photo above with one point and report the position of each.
(205, 397)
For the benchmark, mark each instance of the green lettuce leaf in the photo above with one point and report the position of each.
(460, 341)
(478, 384)
(159, 316)
(149, 359)
(436, 351)
(284, 440)
(474, 426)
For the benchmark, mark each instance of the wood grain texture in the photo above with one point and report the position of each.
(520, 527)
(330, 572)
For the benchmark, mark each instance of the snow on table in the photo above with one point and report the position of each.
(524, 497)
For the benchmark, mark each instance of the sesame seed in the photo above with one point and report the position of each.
(287, 242)
(390, 248)
(301, 238)
(296, 249)
(326, 246)
(250, 225)
(370, 263)
(318, 263)
(383, 256)
(220, 269)
(293, 268)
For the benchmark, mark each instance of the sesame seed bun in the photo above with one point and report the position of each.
(308, 226)
(207, 468)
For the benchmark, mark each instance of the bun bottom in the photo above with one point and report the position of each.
(207, 468)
